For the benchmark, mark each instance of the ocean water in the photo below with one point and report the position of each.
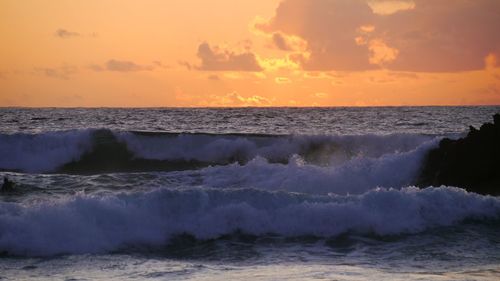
(238, 194)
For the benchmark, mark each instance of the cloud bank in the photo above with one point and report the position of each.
(403, 35)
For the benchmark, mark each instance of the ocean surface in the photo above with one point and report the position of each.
(238, 194)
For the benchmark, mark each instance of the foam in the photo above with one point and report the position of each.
(354, 176)
(104, 223)
(42, 152)
(229, 148)
(46, 152)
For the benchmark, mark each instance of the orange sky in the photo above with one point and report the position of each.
(186, 53)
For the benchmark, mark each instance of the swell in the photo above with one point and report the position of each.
(96, 151)
(107, 223)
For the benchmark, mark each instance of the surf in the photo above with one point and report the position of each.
(96, 223)
(94, 151)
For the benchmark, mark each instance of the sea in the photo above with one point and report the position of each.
(238, 194)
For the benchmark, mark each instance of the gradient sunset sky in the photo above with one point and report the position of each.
(187, 53)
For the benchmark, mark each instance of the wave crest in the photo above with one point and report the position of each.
(101, 151)
(97, 224)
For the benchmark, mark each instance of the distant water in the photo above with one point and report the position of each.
(238, 194)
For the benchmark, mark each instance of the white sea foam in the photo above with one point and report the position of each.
(45, 152)
(42, 152)
(354, 176)
(96, 224)
(223, 148)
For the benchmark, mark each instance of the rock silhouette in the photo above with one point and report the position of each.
(472, 163)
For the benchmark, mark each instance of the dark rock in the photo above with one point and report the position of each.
(496, 119)
(472, 163)
(472, 131)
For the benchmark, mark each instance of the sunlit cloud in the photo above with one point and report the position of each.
(216, 59)
(360, 35)
(303, 52)
(289, 42)
(389, 7)
(490, 61)
(235, 99)
(282, 80)
(366, 28)
(321, 95)
(380, 53)
(276, 64)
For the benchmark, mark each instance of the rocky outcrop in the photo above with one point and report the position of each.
(472, 163)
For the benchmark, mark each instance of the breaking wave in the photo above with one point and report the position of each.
(105, 223)
(96, 151)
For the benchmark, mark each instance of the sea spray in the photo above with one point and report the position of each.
(104, 223)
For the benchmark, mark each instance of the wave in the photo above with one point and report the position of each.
(355, 176)
(100, 150)
(107, 223)
(42, 152)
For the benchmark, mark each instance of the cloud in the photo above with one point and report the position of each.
(277, 64)
(408, 75)
(282, 80)
(64, 72)
(490, 61)
(321, 95)
(65, 34)
(158, 63)
(235, 99)
(288, 42)
(186, 64)
(401, 35)
(280, 42)
(121, 66)
(389, 7)
(213, 77)
(380, 53)
(215, 59)
(329, 28)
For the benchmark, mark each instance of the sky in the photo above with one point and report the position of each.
(226, 53)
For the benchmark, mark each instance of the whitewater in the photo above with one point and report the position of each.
(277, 193)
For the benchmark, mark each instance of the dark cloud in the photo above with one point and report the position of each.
(64, 34)
(121, 66)
(213, 77)
(186, 64)
(63, 72)
(329, 28)
(213, 59)
(125, 66)
(420, 35)
(280, 42)
(158, 63)
(440, 35)
(96, 67)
